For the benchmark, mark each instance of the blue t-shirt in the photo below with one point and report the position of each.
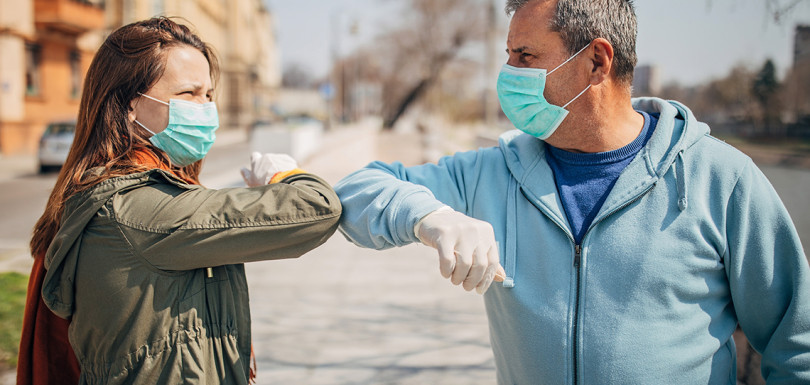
(585, 180)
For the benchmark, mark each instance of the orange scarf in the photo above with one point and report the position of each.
(45, 355)
(150, 161)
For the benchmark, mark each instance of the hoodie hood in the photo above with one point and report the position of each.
(61, 259)
(676, 131)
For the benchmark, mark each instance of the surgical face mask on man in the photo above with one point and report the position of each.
(520, 91)
(190, 132)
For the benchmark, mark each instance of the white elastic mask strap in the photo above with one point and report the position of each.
(144, 127)
(160, 101)
(577, 97)
(563, 63)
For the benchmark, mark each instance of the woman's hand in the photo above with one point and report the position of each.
(264, 166)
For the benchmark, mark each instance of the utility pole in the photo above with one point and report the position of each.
(490, 102)
(333, 75)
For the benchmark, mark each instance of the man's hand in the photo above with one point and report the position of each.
(468, 254)
(263, 167)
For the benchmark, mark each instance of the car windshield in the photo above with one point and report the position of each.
(61, 128)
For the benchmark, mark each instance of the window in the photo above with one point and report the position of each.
(33, 61)
(75, 74)
(95, 3)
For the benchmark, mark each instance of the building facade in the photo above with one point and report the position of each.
(46, 47)
(43, 58)
(646, 81)
(797, 96)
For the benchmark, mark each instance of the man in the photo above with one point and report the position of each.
(633, 242)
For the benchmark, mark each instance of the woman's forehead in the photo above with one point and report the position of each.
(186, 65)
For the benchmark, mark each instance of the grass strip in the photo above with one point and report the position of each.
(12, 305)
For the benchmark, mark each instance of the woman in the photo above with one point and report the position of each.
(146, 263)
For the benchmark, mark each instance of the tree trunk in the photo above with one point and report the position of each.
(423, 85)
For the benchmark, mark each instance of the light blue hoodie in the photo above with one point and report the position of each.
(691, 241)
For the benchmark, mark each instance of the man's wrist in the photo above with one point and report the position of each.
(418, 224)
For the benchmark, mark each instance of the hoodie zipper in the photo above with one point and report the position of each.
(577, 261)
(577, 265)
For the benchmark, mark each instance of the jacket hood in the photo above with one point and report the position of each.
(61, 259)
(676, 131)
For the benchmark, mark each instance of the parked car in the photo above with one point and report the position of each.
(55, 144)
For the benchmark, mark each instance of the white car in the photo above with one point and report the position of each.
(55, 145)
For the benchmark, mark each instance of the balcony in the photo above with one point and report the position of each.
(69, 16)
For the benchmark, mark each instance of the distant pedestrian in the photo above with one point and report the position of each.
(633, 242)
(145, 263)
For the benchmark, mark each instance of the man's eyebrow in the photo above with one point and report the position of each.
(517, 50)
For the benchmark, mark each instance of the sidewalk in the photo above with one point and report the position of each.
(346, 315)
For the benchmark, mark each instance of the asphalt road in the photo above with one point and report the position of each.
(23, 198)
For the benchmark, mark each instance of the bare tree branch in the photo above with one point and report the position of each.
(433, 33)
(779, 10)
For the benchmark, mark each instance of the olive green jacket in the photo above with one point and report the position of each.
(129, 268)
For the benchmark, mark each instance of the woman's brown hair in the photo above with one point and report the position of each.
(131, 60)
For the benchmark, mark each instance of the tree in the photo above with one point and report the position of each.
(765, 88)
(730, 97)
(777, 9)
(296, 76)
(780, 8)
(432, 35)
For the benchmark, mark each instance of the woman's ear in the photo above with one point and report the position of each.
(602, 59)
(131, 115)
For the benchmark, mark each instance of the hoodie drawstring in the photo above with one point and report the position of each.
(680, 179)
(510, 248)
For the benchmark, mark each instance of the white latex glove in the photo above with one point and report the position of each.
(264, 166)
(468, 254)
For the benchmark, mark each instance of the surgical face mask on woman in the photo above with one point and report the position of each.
(520, 91)
(190, 132)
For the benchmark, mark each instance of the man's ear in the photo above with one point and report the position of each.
(602, 59)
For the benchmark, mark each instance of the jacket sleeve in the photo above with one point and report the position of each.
(383, 202)
(175, 228)
(769, 278)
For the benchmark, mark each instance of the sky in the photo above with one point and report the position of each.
(690, 41)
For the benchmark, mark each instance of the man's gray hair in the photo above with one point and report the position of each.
(579, 22)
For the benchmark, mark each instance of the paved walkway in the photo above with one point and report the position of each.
(346, 315)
